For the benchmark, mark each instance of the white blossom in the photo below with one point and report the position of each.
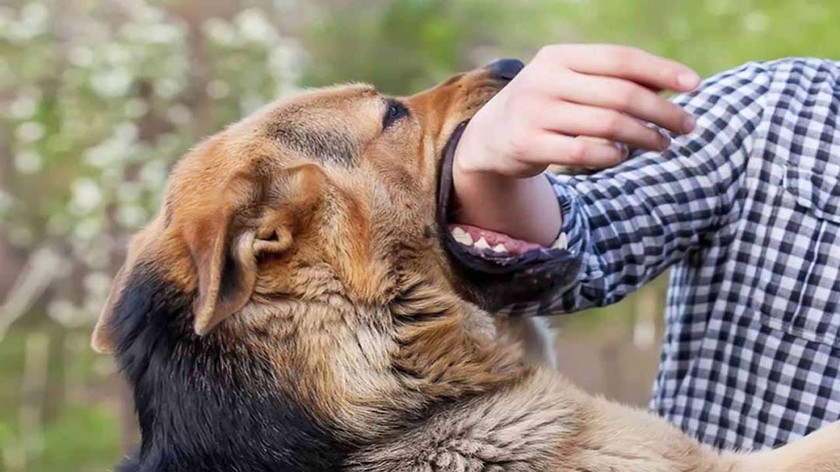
(153, 33)
(35, 15)
(65, 313)
(28, 162)
(168, 88)
(87, 228)
(86, 195)
(153, 173)
(30, 131)
(117, 53)
(129, 192)
(95, 252)
(111, 83)
(33, 21)
(93, 123)
(219, 31)
(132, 216)
(98, 283)
(109, 152)
(80, 56)
(6, 202)
(254, 27)
(126, 132)
(23, 106)
(179, 114)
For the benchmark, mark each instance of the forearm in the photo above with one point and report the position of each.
(625, 238)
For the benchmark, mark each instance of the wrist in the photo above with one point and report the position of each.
(523, 208)
(470, 153)
(505, 200)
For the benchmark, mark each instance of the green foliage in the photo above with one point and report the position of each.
(97, 100)
(96, 449)
(710, 35)
(78, 431)
(402, 46)
(95, 120)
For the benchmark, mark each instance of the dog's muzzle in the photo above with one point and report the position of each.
(495, 269)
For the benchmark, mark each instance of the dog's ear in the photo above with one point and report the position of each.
(253, 217)
(225, 260)
(103, 339)
(225, 250)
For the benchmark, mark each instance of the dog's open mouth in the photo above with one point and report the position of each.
(490, 244)
(497, 269)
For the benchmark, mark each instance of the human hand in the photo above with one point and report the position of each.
(572, 105)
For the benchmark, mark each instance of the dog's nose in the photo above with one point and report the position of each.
(505, 69)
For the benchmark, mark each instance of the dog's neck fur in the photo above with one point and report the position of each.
(202, 401)
(197, 396)
(379, 366)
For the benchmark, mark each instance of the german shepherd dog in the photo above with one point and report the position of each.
(300, 304)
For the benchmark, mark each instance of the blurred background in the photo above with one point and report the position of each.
(99, 97)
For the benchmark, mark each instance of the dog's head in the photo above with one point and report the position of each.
(338, 191)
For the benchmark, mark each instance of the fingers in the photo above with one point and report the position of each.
(583, 120)
(549, 148)
(626, 97)
(622, 62)
(580, 106)
(607, 92)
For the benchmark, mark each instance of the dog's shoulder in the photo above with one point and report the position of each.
(525, 427)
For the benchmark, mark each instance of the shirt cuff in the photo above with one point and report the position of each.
(571, 237)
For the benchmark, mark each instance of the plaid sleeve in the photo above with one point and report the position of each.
(631, 222)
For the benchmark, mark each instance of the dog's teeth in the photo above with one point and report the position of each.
(462, 236)
(482, 243)
(561, 242)
(500, 248)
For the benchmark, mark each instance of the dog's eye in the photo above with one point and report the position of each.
(395, 111)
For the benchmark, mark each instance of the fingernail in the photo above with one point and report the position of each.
(688, 124)
(688, 80)
(622, 148)
(665, 140)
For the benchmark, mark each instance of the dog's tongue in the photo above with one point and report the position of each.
(485, 239)
(507, 270)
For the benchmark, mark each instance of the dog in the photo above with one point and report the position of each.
(300, 303)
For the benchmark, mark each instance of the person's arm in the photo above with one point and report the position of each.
(633, 221)
(575, 105)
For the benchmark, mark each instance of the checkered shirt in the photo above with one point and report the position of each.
(745, 211)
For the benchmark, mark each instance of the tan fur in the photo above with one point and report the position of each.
(338, 277)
